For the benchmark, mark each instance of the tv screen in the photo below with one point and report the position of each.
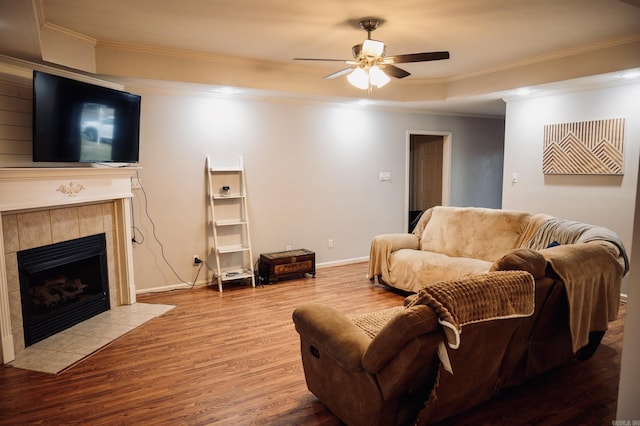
(75, 121)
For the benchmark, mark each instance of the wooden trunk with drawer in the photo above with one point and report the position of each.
(286, 264)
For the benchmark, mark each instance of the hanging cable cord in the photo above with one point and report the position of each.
(134, 229)
(155, 235)
(195, 279)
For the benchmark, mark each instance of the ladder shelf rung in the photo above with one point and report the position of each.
(233, 249)
(225, 169)
(235, 275)
(230, 222)
(228, 197)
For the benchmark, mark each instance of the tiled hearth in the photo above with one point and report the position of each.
(56, 353)
(39, 207)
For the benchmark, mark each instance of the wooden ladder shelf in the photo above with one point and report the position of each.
(227, 192)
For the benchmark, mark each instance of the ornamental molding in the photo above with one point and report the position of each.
(72, 189)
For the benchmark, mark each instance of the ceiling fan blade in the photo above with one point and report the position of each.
(394, 71)
(416, 57)
(339, 73)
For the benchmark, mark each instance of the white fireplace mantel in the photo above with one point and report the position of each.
(28, 188)
(38, 188)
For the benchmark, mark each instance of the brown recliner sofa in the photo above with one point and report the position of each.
(393, 366)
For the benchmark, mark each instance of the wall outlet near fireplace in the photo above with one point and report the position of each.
(136, 183)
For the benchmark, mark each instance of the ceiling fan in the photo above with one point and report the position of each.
(370, 66)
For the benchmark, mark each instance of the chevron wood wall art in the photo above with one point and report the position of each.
(584, 148)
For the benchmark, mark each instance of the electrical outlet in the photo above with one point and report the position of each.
(136, 183)
(330, 243)
(287, 247)
(196, 260)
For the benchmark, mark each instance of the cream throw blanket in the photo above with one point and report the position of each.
(564, 231)
(381, 248)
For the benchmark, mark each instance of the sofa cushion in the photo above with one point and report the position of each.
(473, 232)
(528, 260)
(410, 270)
(372, 322)
(397, 332)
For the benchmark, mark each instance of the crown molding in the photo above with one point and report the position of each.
(604, 81)
(21, 69)
(622, 41)
(178, 53)
(43, 25)
(67, 33)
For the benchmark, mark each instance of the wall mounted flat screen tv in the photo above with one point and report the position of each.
(74, 121)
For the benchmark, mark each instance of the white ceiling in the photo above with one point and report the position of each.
(497, 44)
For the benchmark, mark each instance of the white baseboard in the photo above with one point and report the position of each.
(341, 262)
(184, 286)
(179, 286)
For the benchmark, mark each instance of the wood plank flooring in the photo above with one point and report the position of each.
(233, 359)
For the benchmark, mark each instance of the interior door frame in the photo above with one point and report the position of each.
(446, 168)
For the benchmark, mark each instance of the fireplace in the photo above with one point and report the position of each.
(62, 284)
(45, 206)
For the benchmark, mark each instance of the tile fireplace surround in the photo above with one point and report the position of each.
(41, 206)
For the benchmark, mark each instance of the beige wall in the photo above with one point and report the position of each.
(312, 171)
(596, 199)
(312, 174)
(603, 200)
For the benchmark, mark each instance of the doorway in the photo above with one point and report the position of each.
(428, 158)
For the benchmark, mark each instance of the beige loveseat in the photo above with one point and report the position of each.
(504, 312)
(452, 242)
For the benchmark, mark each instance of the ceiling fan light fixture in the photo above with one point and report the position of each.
(359, 78)
(372, 48)
(377, 77)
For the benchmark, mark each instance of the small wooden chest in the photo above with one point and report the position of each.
(286, 264)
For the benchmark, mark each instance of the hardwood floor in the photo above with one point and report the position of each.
(233, 359)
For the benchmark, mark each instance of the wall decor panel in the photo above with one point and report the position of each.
(584, 148)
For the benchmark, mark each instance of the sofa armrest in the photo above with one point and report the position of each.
(383, 245)
(522, 259)
(332, 333)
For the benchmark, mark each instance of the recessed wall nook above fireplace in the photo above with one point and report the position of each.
(47, 206)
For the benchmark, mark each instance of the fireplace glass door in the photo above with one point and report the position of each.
(62, 284)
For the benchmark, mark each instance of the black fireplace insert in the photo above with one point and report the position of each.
(62, 284)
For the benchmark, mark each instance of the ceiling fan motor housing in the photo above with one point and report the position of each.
(369, 24)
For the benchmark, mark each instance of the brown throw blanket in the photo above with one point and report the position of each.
(481, 297)
(592, 278)
(590, 270)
